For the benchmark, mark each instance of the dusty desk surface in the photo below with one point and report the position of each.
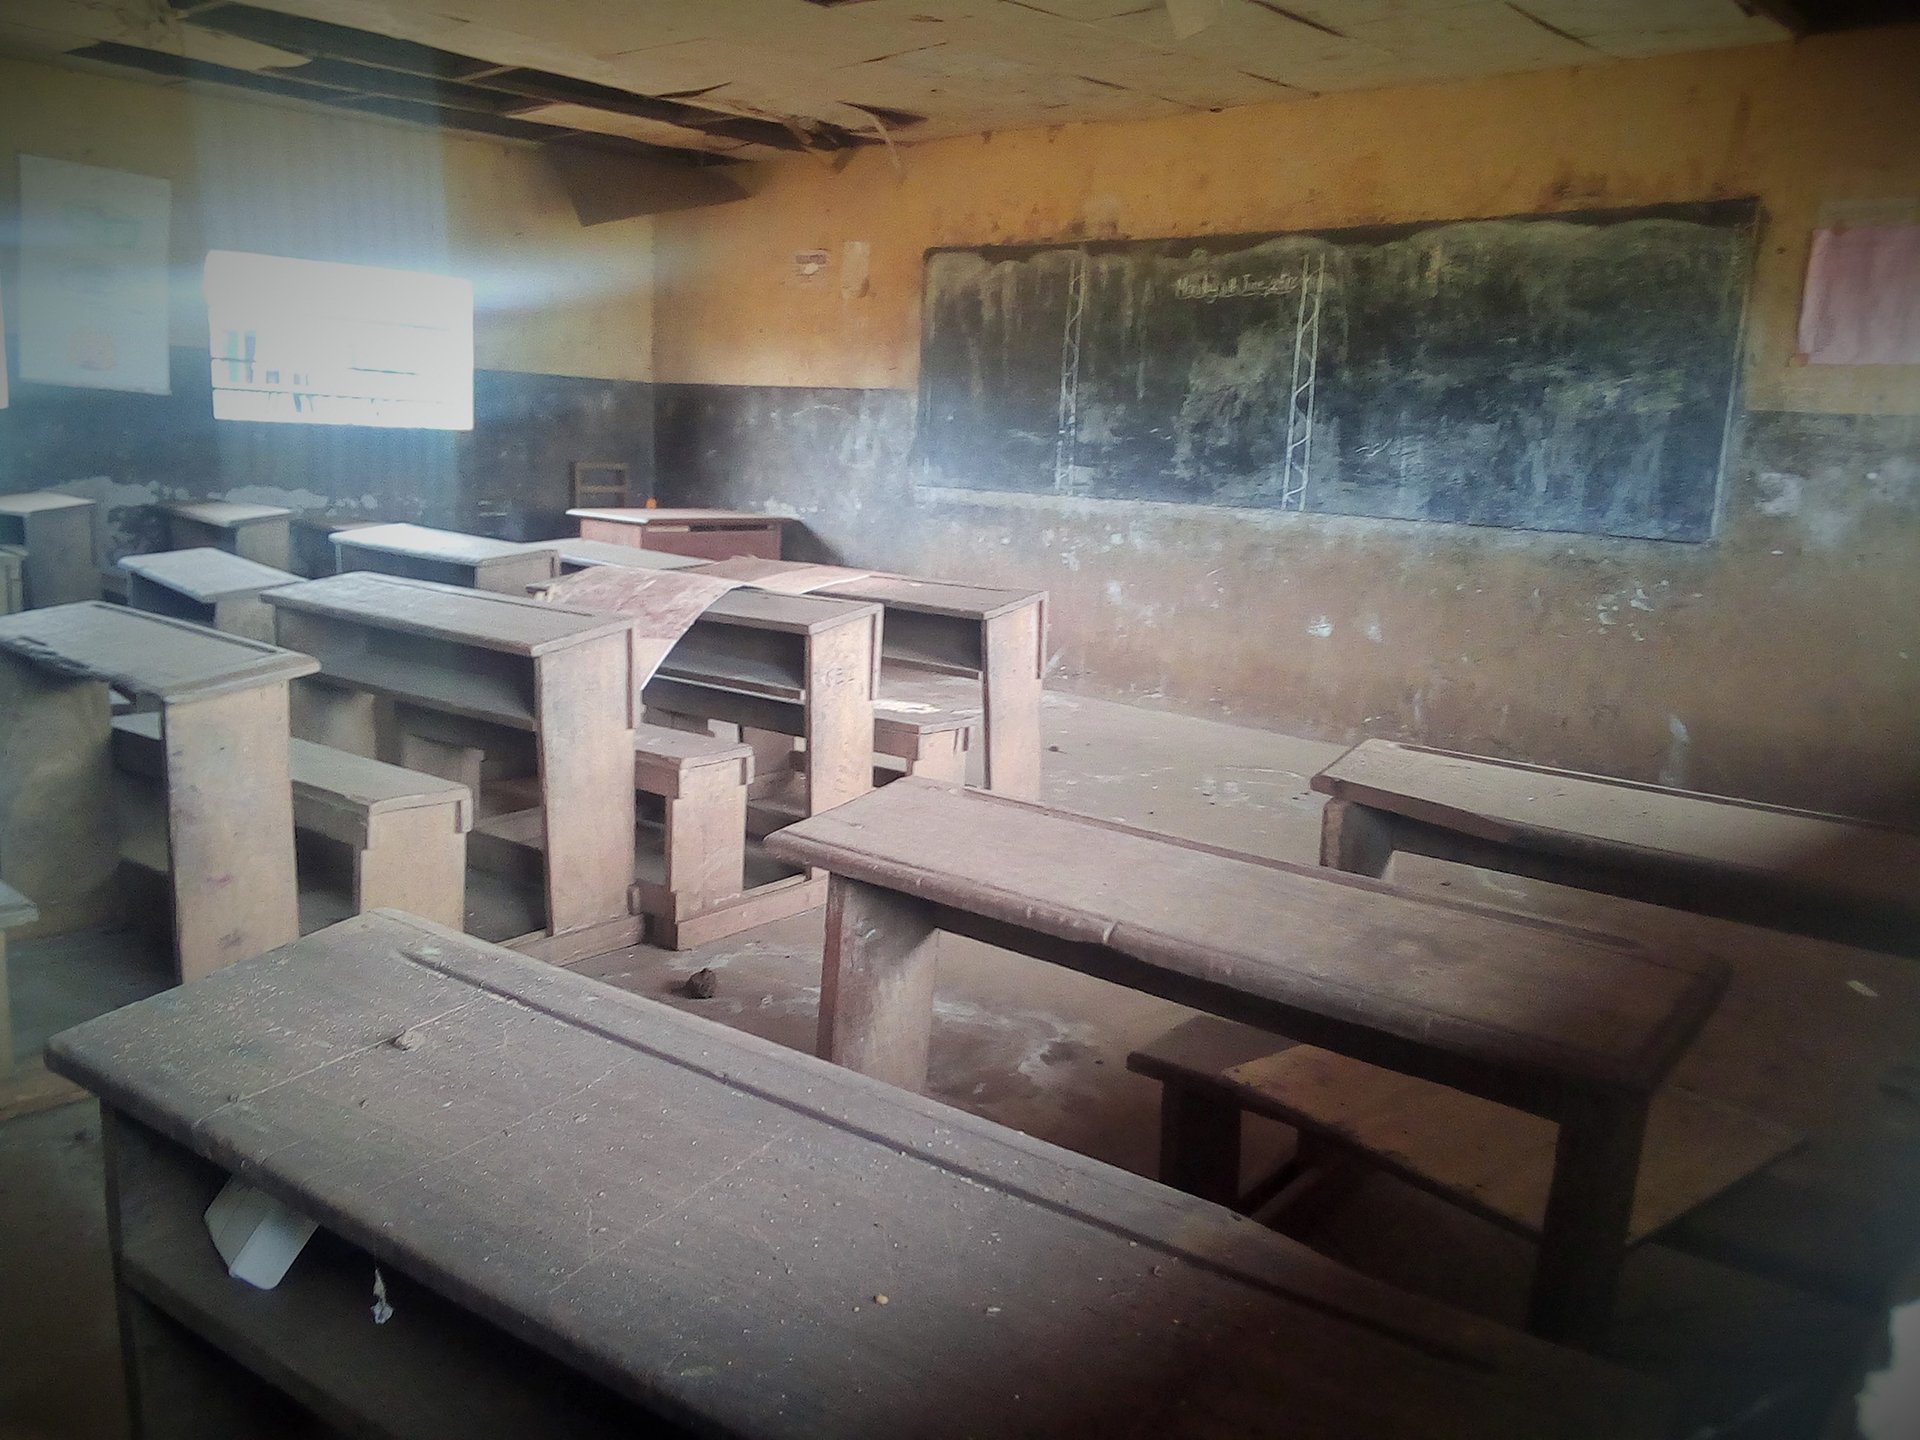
(705, 1222)
(447, 612)
(143, 654)
(35, 501)
(640, 516)
(936, 597)
(225, 514)
(583, 553)
(206, 574)
(429, 544)
(1508, 802)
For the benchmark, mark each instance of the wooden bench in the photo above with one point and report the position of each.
(1813, 1041)
(227, 823)
(1543, 1018)
(447, 557)
(1824, 875)
(701, 782)
(405, 832)
(53, 534)
(208, 587)
(929, 742)
(260, 533)
(480, 671)
(592, 1214)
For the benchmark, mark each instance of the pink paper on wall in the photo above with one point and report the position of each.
(1862, 301)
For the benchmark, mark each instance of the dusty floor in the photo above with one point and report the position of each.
(1031, 1046)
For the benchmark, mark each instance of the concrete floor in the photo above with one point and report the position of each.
(1029, 1045)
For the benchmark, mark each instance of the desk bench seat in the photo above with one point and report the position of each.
(1824, 875)
(581, 1199)
(1576, 1028)
(931, 743)
(406, 832)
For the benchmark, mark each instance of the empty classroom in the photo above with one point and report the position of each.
(841, 718)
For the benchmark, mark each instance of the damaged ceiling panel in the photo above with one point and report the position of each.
(713, 80)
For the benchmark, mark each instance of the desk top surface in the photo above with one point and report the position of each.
(206, 574)
(447, 612)
(35, 501)
(1504, 994)
(638, 515)
(935, 597)
(1510, 802)
(576, 551)
(426, 543)
(706, 1222)
(146, 655)
(225, 514)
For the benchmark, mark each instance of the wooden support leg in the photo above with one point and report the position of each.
(586, 784)
(328, 714)
(1199, 1143)
(230, 828)
(839, 720)
(1010, 718)
(1355, 838)
(415, 860)
(462, 764)
(706, 839)
(943, 756)
(774, 759)
(1583, 1243)
(876, 983)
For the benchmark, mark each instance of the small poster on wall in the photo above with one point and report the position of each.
(93, 277)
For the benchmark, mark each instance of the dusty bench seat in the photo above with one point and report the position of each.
(929, 742)
(406, 832)
(701, 783)
(1575, 1028)
(591, 1211)
(1827, 875)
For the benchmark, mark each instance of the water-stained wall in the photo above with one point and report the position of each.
(1778, 660)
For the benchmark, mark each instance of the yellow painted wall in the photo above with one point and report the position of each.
(1799, 125)
(551, 296)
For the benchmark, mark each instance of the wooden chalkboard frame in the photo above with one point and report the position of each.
(1575, 372)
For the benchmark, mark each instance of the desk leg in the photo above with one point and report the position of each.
(58, 838)
(586, 782)
(230, 828)
(415, 860)
(1199, 1143)
(1355, 838)
(876, 983)
(839, 716)
(1010, 718)
(1584, 1241)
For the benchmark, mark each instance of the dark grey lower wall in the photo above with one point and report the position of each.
(1780, 661)
(509, 476)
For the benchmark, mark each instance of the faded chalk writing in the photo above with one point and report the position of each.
(1209, 286)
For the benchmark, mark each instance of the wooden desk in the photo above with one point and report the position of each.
(998, 635)
(708, 534)
(56, 533)
(793, 665)
(228, 821)
(445, 556)
(1824, 875)
(590, 1211)
(577, 555)
(491, 663)
(311, 538)
(253, 532)
(1546, 1019)
(208, 587)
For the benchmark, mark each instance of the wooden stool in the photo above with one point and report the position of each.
(703, 782)
(406, 831)
(933, 743)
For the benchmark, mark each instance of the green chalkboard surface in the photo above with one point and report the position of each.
(1568, 372)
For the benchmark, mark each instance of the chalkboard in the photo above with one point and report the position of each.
(1568, 372)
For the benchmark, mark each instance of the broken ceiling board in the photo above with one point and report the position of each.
(1492, 35)
(604, 186)
(634, 127)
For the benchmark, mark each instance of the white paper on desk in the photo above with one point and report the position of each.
(1862, 301)
(256, 1235)
(663, 604)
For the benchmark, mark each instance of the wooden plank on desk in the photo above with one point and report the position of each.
(1483, 986)
(702, 1220)
(146, 655)
(510, 623)
(226, 514)
(578, 554)
(1508, 802)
